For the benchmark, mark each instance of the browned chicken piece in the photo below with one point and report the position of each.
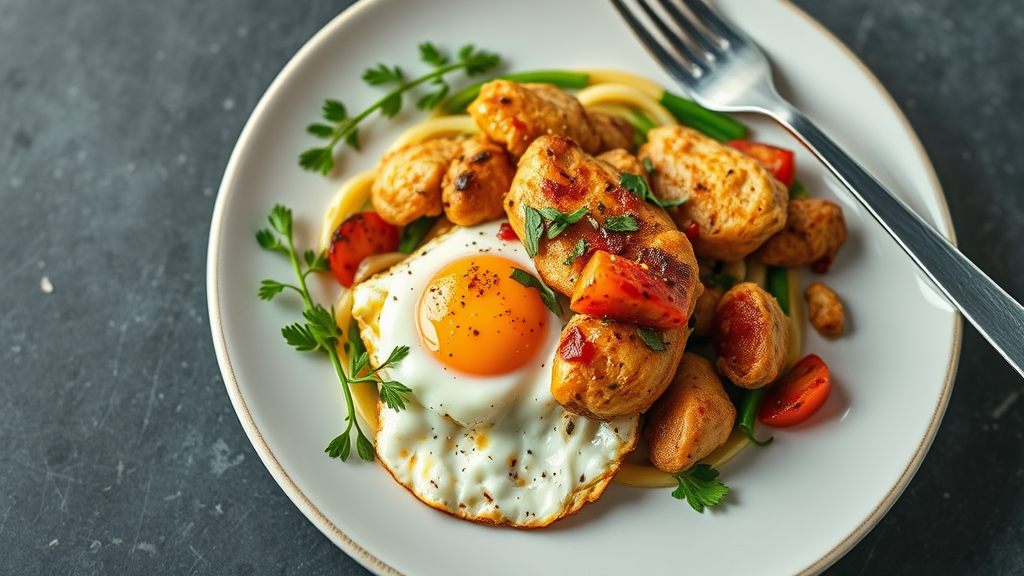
(614, 132)
(691, 419)
(815, 229)
(704, 311)
(556, 173)
(734, 201)
(824, 310)
(517, 114)
(623, 161)
(750, 336)
(621, 375)
(408, 182)
(476, 183)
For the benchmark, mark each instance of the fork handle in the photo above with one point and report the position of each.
(998, 317)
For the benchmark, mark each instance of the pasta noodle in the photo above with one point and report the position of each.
(626, 94)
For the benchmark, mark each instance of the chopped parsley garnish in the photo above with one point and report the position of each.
(624, 223)
(547, 295)
(559, 221)
(652, 338)
(578, 250)
(637, 185)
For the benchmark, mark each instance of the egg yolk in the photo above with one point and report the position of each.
(478, 320)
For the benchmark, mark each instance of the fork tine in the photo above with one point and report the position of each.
(672, 37)
(670, 62)
(713, 22)
(713, 46)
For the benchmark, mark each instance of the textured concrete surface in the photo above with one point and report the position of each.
(119, 450)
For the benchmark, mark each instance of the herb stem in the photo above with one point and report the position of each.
(345, 386)
(351, 123)
(298, 273)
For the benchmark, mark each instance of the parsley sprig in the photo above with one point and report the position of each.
(700, 487)
(339, 126)
(320, 332)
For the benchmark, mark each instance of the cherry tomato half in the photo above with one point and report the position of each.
(797, 395)
(779, 161)
(360, 235)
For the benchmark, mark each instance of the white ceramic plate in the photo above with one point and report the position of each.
(795, 507)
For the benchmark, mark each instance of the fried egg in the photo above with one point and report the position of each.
(481, 436)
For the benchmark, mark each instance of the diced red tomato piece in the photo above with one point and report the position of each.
(692, 232)
(615, 287)
(797, 395)
(506, 233)
(360, 235)
(779, 161)
(575, 347)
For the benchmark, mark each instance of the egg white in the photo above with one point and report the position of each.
(491, 449)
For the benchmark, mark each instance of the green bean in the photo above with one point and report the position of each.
(714, 124)
(457, 102)
(749, 404)
(778, 286)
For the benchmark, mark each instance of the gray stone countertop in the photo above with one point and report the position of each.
(119, 449)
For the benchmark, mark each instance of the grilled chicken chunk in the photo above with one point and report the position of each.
(815, 229)
(691, 419)
(476, 183)
(408, 182)
(750, 336)
(515, 115)
(620, 375)
(736, 204)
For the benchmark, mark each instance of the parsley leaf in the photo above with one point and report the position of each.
(318, 159)
(271, 288)
(534, 230)
(578, 250)
(700, 487)
(392, 394)
(431, 55)
(547, 295)
(652, 338)
(340, 447)
(381, 75)
(364, 448)
(320, 130)
(648, 166)
(300, 336)
(560, 220)
(414, 233)
(624, 223)
(637, 185)
(334, 111)
(269, 241)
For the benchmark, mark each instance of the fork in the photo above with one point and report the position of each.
(723, 70)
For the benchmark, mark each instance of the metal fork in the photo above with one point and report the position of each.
(723, 70)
